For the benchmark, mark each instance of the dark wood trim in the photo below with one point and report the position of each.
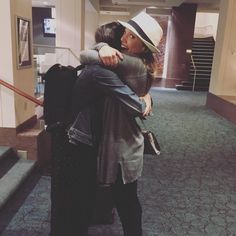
(8, 137)
(221, 106)
(27, 124)
(166, 83)
(28, 137)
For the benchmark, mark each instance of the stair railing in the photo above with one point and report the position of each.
(40, 49)
(21, 93)
(26, 95)
(37, 46)
(195, 72)
(189, 51)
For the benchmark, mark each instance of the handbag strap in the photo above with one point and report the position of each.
(145, 127)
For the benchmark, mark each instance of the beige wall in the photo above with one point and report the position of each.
(6, 70)
(207, 22)
(109, 18)
(14, 109)
(70, 25)
(223, 78)
(76, 24)
(91, 24)
(76, 28)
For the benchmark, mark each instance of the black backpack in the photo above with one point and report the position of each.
(59, 82)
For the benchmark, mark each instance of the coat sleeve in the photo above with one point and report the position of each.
(129, 63)
(89, 57)
(95, 82)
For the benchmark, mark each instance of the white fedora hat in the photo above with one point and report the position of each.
(146, 28)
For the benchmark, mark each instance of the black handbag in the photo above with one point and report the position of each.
(151, 145)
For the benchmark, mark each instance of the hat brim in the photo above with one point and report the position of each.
(131, 28)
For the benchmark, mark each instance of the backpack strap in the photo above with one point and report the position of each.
(79, 67)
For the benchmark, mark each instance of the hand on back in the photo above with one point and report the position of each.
(110, 56)
(148, 100)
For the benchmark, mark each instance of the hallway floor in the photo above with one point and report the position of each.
(189, 190)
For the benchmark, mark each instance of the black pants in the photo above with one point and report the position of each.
(128, 206)
(73, 187)
(73, 191)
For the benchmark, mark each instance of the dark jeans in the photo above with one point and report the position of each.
(128, 206)
(73, 191)
(73, 187)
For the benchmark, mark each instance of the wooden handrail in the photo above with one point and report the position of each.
(20, 92)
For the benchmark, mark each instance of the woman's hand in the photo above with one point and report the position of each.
(148, 100)
(110, 56)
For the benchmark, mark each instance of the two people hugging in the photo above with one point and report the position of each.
(103, 144)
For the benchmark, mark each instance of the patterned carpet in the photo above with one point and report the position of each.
(189, 190)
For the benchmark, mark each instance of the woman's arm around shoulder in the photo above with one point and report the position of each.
(90, 57)
(131, 63)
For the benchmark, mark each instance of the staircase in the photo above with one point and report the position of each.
(202, 54)
(13, 171)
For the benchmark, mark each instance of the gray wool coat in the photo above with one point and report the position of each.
(121, 141)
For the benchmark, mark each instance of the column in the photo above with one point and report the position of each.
(14, 109)
(222, 93)
(180, 36)
(223, 77)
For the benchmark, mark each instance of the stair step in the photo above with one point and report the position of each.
(210, 38)
(201, 67)
(190, 88)
(4, 151)
(7, 159)
(202, 53)
(202, 63)
(199, 70)
(202, 59)
(197, 82)
(203, 42)
(203, 46)
(200, 77)
(13, 178)
(200, 74)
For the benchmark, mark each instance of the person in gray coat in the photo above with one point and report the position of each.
(120, 144)
(75, 166)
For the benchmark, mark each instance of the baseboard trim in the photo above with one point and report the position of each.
(221, 106)
(166, 82)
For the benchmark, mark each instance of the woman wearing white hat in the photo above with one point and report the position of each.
(146, 28)
(141, 37)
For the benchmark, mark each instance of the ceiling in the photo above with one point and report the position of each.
(43, 3)
(127, 7)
